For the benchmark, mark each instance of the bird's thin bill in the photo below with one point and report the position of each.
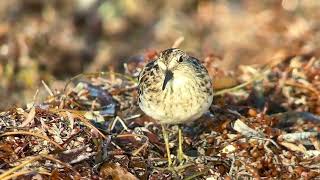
(168, 76)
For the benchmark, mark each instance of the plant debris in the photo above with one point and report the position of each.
(95, 129)
(263, 58)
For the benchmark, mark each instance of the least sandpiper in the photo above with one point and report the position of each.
(174, 88)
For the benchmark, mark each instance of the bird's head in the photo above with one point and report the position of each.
(170, 61)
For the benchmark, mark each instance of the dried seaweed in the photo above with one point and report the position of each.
(263, 123)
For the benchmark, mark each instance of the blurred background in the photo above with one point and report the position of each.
(54, 40)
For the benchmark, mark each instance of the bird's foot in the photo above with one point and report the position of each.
(182, 158)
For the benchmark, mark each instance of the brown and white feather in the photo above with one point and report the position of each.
(187, 94)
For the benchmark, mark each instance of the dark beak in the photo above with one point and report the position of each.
(168, 76)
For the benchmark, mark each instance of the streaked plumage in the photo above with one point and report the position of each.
(175, 88)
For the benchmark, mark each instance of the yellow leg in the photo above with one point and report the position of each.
(180, 153)
(166, 141)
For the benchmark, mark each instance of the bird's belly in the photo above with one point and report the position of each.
(178, 105)
(185, 108)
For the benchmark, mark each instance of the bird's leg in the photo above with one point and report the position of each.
(166, 141)
(180, 154)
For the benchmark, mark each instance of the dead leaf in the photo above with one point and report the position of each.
(115, 172)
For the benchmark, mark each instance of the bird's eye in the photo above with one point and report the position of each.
(180, 59)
